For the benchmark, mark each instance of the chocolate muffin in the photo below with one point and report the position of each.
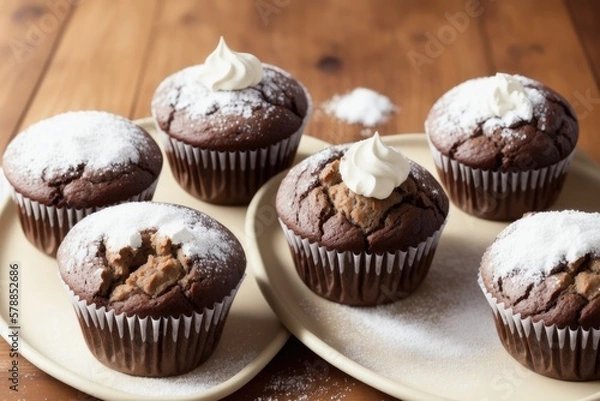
(172, 264)
(70, 165)
(225, 138)
(502, 145)
(357, 249)
(542, 278)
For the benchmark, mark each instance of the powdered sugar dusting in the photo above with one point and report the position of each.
(120, 226)
(66, 142)
(463, 108)
(533, 246)
(361, 106)
(312, 381)
(200, 101)
(188, 94)
(444, 326)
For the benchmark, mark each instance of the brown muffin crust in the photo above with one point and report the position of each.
(75, 181)
(159, 277)
(314, 202)
(567, 295)
(477, 140)
(244, 119)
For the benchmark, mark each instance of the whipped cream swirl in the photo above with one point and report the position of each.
(225, 69)
(372, 169)
(506, 96)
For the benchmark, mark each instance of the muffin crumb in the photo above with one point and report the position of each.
(366, 213)
(151, 269)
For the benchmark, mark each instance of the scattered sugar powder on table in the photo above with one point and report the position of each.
(361, 106)
(305, 384)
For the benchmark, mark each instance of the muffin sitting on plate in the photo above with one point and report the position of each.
(502, 145)
(70, 165)
(541, 276)
(230, 124)
(362, 222)
(152, 284)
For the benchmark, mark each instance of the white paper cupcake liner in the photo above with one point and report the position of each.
(562, 353)
(500, 195)
(146, 346)
(361, 278)
(227, 177)
(46, 226)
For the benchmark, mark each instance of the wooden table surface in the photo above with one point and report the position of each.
(59, 55)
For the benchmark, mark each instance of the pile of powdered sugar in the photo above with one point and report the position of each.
(361, 106)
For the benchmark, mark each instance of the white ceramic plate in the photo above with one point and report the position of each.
(49, 335)
(440, 343)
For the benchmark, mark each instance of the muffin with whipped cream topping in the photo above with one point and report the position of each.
(362, 222)
(152, 284)
(230, 124)
(72, 164)
(502, 145)
(541, 276)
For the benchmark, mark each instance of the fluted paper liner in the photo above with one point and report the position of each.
(561, 353)
(361, 278)
(498, 195)
(160, 347)
(229, 177)
(46, 226)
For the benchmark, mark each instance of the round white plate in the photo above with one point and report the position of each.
(439, 343)
(49, 335)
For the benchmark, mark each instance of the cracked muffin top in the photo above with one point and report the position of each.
(82, 159)
(230, 120)
(547, 265)
(151, 259)
(315, 203)
(508, 135)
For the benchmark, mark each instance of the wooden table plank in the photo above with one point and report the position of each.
(113, 57)
(298, 38)
(585, 20)
(547, 48)
(97, 68)
(29, 31)
(34, 384)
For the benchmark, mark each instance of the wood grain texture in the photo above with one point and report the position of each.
(369, 46)
(29, 31)
(97, 68)
(585, 20)
(546, 47)
(112, 55)
(34, 384)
